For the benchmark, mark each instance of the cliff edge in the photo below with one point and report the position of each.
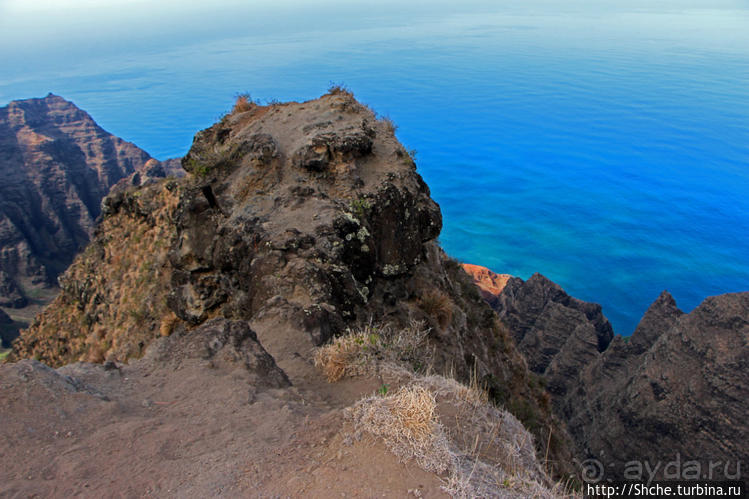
(307, 226)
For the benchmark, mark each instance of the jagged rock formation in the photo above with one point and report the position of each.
(676, 390)
(301, 220)
(56, 164)
(556, 332)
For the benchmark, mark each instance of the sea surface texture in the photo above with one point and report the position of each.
(605, 146)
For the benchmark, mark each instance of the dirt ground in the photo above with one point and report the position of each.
(189, 429)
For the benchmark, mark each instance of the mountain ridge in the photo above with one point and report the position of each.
(675, 390)
(57, 165)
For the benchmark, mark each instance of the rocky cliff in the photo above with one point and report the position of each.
(490, 283)
(305, 222)
(675, 391)
(57, 165)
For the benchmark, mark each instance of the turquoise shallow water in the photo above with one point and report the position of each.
(606, 147)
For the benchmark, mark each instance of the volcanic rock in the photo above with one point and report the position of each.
(676, 391)
(10, 295)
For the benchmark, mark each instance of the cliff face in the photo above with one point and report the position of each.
(676, 390)
(679, 389)
(490, 284)
(302, 220)
(57, 165)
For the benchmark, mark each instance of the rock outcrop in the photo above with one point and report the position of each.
(676, 391)
(57, 165)
(556, 332)
(301, 220)
(490, 283)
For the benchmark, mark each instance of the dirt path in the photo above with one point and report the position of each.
(191, 428)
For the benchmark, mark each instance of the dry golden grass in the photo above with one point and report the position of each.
(340, 358)
(359, 351)
(243, 104)
(407, 422)
(443, 425)
(107, 306)
(438, 306)
(167, 323)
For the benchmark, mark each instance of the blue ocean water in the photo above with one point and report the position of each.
(605, 146)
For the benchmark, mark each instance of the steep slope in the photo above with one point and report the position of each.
(57, 165)
(304, 221)
(490, 283)
(676, 391)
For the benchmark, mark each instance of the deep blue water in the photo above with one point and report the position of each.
(604, 146)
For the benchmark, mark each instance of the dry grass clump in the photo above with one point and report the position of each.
(243, 103)
(168, 322)
(443, 425)
(339, 89)
(448, 427)
(438, 306)
(407, 423)
(358, 352)
(389, 124)
(346, 356)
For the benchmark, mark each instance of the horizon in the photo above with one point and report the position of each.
(540, 98)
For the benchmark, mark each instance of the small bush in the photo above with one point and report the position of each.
(438, 306)
(338, 89)
(360, 207)
(358, 352)
(343, 357)
(243, 103)
(167, 324)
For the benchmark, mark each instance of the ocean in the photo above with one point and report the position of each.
(603, 145)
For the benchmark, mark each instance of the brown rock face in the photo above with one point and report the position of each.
(57, 165)
(554, 331)
(490, 283)
(676, 392)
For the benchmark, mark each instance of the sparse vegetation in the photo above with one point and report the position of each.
(360, 207)
(438, 306)
(407, 422)
(243, 103)
(339, 89)
(357, 352)
(106, 305)
(441, 424)
(389, 124)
